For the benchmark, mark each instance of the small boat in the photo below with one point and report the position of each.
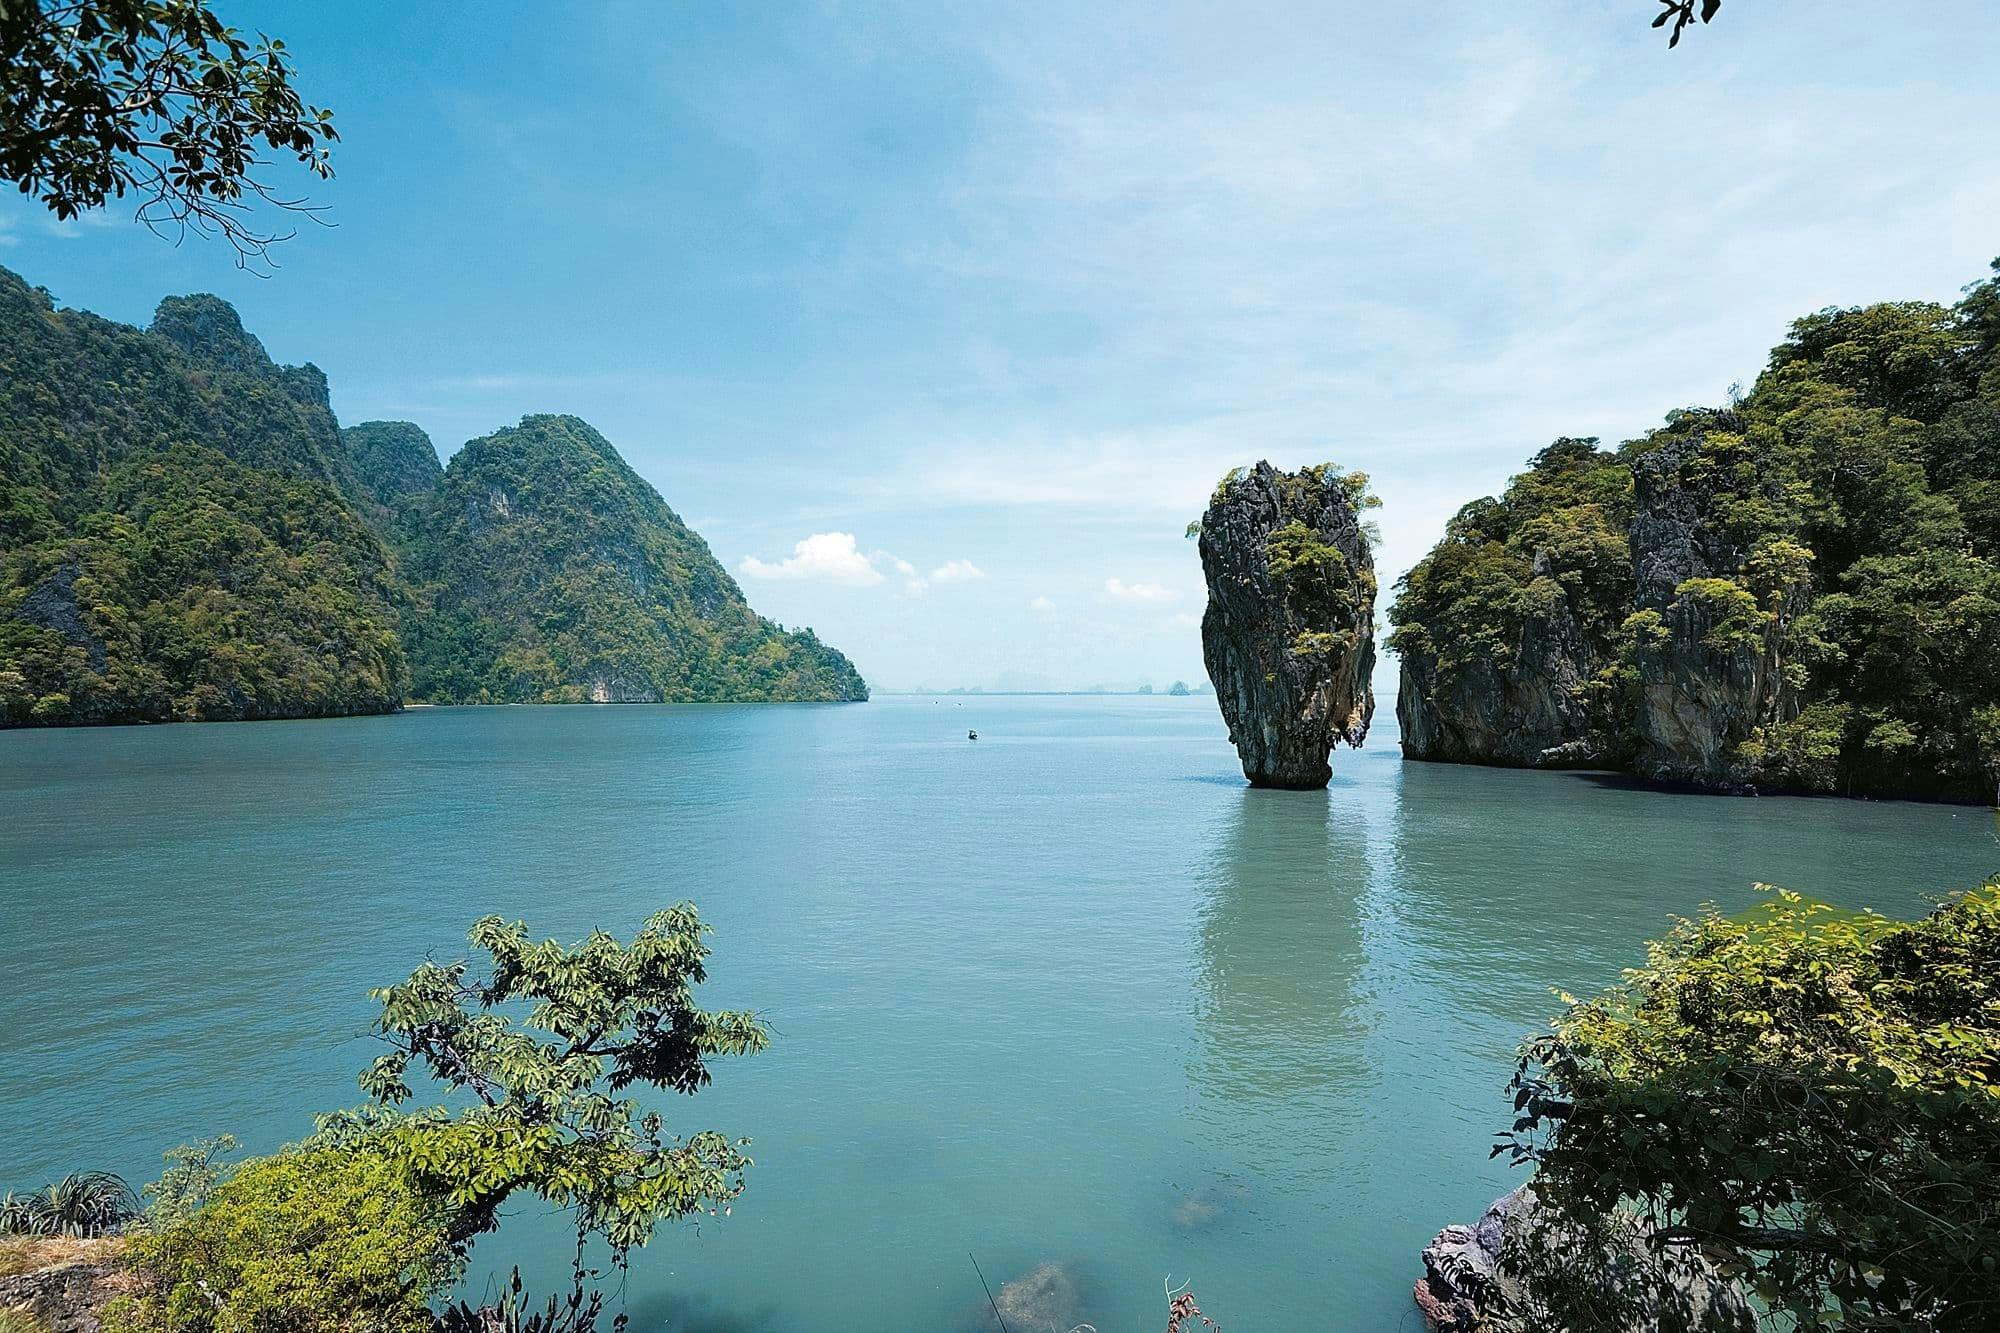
(972, 735)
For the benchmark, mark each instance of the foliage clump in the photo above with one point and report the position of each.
(82, 1205)
(542, 1044)
(309, 1240)
(1808, 1098)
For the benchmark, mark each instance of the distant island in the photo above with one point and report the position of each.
(187, 534)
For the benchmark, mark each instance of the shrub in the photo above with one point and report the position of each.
(84, 1204)
(1809, 1098)
(307, 1241)
(194, 1170)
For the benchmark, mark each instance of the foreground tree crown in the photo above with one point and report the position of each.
(542, 1044)
(1809, 1097)
(158, 99)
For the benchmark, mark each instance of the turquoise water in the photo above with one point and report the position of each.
(1069, 994)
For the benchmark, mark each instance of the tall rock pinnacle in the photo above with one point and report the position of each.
(1289, 636)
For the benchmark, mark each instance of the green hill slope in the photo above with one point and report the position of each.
(177, 539)
(187, 533)
(548, 570)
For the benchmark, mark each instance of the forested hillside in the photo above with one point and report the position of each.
(186, 533)
(547, 570)
(177, 536)
(1800, 590)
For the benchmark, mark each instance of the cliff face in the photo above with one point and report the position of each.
(1526, 707)
(1289, 634)
(1709, 668)
(1506, 630)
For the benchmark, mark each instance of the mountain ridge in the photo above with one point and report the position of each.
(188, 533)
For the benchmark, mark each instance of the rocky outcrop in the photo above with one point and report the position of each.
(1289, 635)
(66, 1284)
(1710, 668)
(393, 460)
(1524, 709)
(1469, 1286)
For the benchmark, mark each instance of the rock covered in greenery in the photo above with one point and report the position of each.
(186, 533)
(1804, 1095)
(1289, 634)
(394, 461)
(547, 570)
(1801, 591)
(1508, 629)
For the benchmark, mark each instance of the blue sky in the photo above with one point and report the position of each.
(939, 321)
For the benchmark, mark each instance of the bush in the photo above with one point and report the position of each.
(1809, 1098)
(85, 1204)
(308, 1241)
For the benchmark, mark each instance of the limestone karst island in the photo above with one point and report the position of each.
(1098, 669)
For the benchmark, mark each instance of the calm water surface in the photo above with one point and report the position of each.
(1071, 993)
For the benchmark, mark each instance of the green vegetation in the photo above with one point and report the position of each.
(547, 571)
(187, 534)
(82, 1205)
(1811, 1099)
(1311, 574)
(153, 98)
(1828, 546)
(366, 1224)
(314, 1240)
(546, 1118)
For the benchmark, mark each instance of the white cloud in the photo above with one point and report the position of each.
(836, 557)
(1141, 592)
(1042, 604)
(828, 557)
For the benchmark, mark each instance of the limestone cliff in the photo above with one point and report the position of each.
(1526, 707)
(1507, 630)
(1709, 659)
(1289, 635)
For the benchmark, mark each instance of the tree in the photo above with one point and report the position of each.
(1680, 13)
(1808, 1098)
(158, 99)
(541, 1045)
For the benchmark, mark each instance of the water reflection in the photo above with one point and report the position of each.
(1280, 952)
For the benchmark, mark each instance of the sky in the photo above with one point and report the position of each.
(940, 321)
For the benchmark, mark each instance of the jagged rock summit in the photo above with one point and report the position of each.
(1289, 635)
